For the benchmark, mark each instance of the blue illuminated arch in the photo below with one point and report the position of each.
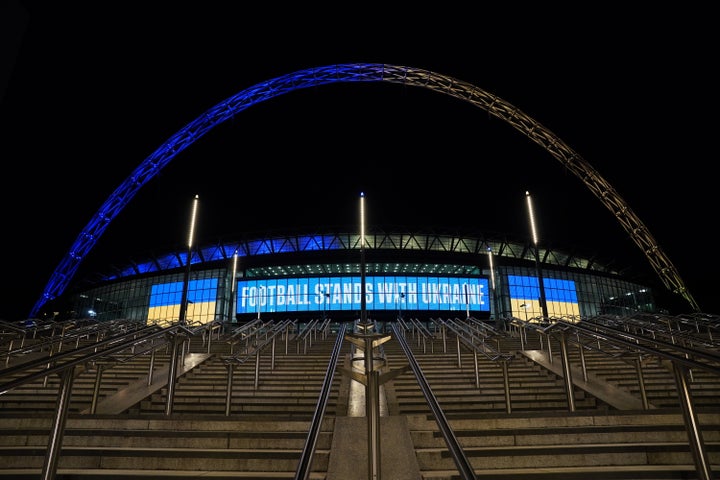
(359, 72)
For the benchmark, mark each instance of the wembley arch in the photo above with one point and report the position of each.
(362, 72)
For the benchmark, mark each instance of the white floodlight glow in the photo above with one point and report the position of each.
(191, 234)
(492, 268)
(234, 272)
(532, 218)
(362, 220)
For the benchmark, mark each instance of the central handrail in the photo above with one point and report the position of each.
(306, 458)
(458, 454)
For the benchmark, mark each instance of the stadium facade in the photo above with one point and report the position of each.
(319, 275)
(427, 273)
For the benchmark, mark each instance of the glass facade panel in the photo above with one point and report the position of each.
(453, 276)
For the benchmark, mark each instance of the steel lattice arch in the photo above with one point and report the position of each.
(362, 72)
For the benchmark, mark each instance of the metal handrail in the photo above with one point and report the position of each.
(305, 335)
(243, 332)
(688, 357)
(458, 454)
(308, 453)
(489, 352)
(72, 358)
(64, 365)
(424, 333)
(231, 360)
(276, 330)
(85, 331)
(662, 327)
(681, 358)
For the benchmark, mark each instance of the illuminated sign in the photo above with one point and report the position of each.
(344, 293)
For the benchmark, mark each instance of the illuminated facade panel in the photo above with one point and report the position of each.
(165, 300)
(560, 296)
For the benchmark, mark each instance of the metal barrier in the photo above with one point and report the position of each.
(276, 330)
(466, 334)
(681, 358)
(458, 454)
(63, 364)
(306, 458)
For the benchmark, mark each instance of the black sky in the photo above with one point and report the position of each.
(89, 93)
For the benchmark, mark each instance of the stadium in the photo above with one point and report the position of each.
(318, 275)
(316, 272)
(341, 354)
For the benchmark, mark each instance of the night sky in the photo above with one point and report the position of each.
(89, 93)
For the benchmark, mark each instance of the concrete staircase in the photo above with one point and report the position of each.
(152, 446)
(612, 445)
(130, 437)
(289, 387)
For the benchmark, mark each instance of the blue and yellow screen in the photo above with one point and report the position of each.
(165, 300)
(560, 297)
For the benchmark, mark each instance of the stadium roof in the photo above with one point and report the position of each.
(394, 251)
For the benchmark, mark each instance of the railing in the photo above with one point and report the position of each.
(51, 339)
(682, 359)
(419, 332)
(231, 361)
(467, 333)
(207, 330)
(698, 331)
(151, 347)
(244, 333)
(458, 454)
(641, 336)
(305, 336)
(64, 364)
(308, 453)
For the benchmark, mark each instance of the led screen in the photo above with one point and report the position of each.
(560, 297)
(344, 293)
(165, 300)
